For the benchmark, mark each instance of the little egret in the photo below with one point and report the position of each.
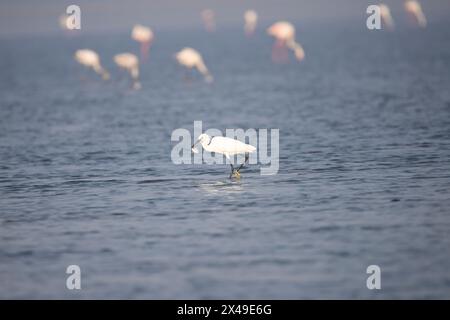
(226, 146)
(129, 62)
(91, 60)
(191, 58)
(284, 33)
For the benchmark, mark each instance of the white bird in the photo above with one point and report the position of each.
(226, 146)
(144, 36)
(284, 33)
(250, 19)
(191, 58)
(414, 8)
(91, 59)
(129, 62)
(386, 16)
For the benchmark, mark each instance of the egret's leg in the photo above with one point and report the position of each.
(232, 170)
(245, 162)
(236, 172)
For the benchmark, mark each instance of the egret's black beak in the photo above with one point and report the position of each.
(193, 146)
(195, 143)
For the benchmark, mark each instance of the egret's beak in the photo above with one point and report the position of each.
(195, 150)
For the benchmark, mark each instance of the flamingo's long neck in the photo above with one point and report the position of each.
(296, 47)
(204, 70)
(99, 69)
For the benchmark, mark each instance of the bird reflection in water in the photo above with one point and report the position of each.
(222, 187)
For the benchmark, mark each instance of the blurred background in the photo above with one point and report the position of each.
(116, 16)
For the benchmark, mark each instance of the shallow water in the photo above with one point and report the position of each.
(86, 176)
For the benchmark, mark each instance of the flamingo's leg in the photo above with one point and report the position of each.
(145, 46)
(279, 52)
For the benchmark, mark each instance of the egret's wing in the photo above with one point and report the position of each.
(230, 146)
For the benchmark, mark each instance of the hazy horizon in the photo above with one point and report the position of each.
(27, 18)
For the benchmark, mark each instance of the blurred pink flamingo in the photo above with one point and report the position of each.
(250, 18)
(414, 9)
(130, 63)
(284, 33)
(144, 36)
(90, 59)
(191, 58)
(209, 20)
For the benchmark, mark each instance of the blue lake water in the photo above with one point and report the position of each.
(86, 176)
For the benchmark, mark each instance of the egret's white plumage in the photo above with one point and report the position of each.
(191, 58)
(226, 146)
(129, 62)
(223, 145)
(90, 59)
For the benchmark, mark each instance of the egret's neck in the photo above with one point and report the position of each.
(205, 145)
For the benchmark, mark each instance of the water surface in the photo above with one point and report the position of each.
(86, 176)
